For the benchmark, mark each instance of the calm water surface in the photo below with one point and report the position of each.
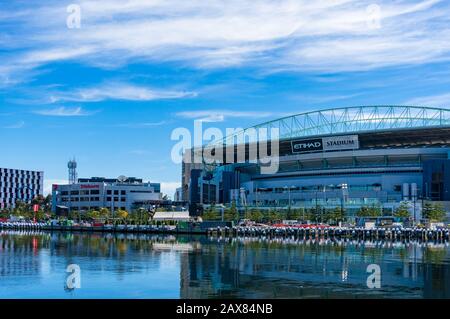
(33, 265)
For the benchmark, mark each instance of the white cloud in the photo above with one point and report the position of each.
(64, 112)
(221, 115)
(143, 124)
(440, 100)
(119, 91)
(319, 35)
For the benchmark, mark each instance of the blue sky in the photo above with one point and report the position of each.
(111, 91)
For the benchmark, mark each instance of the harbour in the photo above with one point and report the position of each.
(135, 265)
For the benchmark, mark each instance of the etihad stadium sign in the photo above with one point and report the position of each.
(332, 143)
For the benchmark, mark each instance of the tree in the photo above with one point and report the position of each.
(104, 213)
(402, 210)
(140, 216)
(273, 216)
(4, 213)
(122, 214)
(234, 211)
(336, 215)
(435, 213)
(427, 210)
(228, 215)
(294, 214)
(21, 210)
(40, 215)
(365, 211)
(313, 214)
(93, 214)
(211, 214)
(256, 215)
(74, 215)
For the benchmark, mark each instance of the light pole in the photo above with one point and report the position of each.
(289, 197)
(256, 195)
(344, 188)
(324, 202)
(414, 198)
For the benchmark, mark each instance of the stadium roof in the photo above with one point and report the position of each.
(353, 119)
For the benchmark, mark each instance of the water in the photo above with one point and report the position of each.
(33, 265)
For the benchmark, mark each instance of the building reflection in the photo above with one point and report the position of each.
(234, 268)
(254, 268)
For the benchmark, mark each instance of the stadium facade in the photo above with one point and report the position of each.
(349, 157)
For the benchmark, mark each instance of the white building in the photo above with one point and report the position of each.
(97, 192)
(17, 184)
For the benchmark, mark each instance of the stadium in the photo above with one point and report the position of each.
(340, 157)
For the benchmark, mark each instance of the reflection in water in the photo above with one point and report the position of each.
(32, 265)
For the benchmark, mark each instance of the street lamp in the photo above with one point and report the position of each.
(322, 188)
(289, 196)
(256, 195)
(344, 188)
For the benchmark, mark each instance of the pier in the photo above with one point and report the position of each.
(144, 229)
(354, 233)
(314, 232)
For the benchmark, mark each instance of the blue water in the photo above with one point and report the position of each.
(33, 265)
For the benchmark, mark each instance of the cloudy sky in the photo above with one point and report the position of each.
(108, 81)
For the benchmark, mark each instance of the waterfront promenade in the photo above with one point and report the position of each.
(312, 231)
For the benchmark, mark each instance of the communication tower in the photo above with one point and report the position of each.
(72, 166)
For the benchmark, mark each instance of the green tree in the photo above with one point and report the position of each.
(434, 212)
(273, 216)
(104, 213)
(234, 212)
(93, 214)
(256, 215)
(40, 215)
(74, 215)
(122, 214)
(45, 203)
(402, 210)
(335, 215)
(22, 209)
(211, 214)
(365, 211)
(4, 213)
(294, 214)
(427, 210)
(314, 214)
